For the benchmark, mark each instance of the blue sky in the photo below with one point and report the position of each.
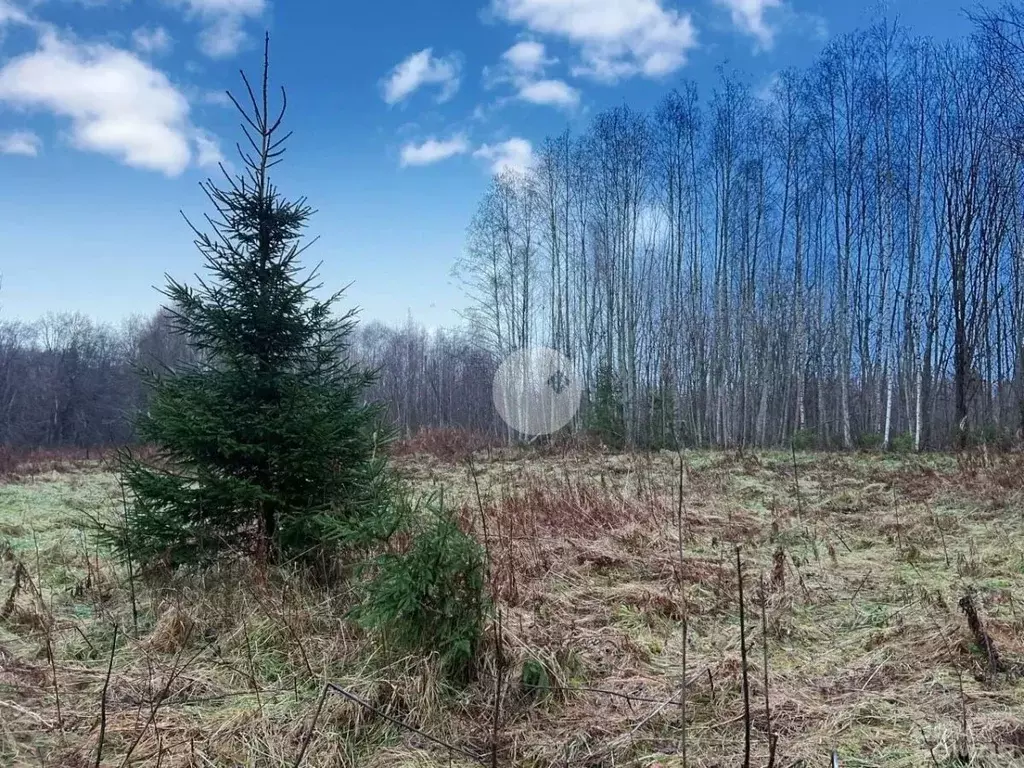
(112, 111)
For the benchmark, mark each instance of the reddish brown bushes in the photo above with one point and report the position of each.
(29, 462)
(532, 525)
(446, 443)
(24, 462)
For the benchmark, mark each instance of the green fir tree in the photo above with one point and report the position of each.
(266, 447)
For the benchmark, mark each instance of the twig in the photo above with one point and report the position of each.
(647, 719)
(499, 658)
(162, 695)
(981, 637)
(483, 525)
(607, 692)
(103, 700)
(772, 739)
(931, 748)
(942, 536)
(312, 726)
(383, 715)
(743, 665)
(290, 629)
(53, 672)
(29, 713)
(682, 696)
(19, 571)
(128, 552)
(796, 485)
(896, 509)
(252, 664)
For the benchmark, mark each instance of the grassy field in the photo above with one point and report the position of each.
(882, 590)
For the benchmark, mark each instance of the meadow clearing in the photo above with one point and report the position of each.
(884, 592)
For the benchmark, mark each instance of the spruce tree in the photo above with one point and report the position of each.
(265, 446)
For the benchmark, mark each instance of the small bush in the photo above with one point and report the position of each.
(869, 441)
(535, 681)
(902, 443)
(805, 440)
(428, 596)
(990, 436)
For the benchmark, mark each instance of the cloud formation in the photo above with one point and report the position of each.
(523, 66)
(224, 20)
(556, 93)
(616, 38)
(11, 14)
(23, 143)
(151, 40)
(117, 104)
(208, 154)
(749, 17)
(515, 155)
(527, 57)
(420, 69)
(433, 150)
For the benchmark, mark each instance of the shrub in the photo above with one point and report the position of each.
(805, 440)
(429, 594)
(990, 436)
(903, 443)
(535, 680)
(869, 441)
(448, 443)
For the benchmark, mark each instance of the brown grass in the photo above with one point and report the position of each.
(868, 648)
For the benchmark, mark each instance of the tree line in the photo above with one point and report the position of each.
(68, 381)
(836, 259)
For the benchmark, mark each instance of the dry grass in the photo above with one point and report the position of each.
(866, 562)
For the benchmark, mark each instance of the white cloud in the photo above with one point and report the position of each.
(556, 93)
(11, 14)
(617, 38)
(749, 16)
(419, 69)
(223, 38)
(514, 155)
(20, 143)
(434, 151)
(118, 104)
(217, 98)
(208, 152)
(151, 40)
(227, 7)
(223, 35)
(523, 66)
(527, 57)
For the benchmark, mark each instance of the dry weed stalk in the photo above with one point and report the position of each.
(103, 700)
(981, 637)
(743, 664)
(772, 738)
(312, 726)
(682, 592)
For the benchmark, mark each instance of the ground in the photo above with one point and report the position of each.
(882, 590)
